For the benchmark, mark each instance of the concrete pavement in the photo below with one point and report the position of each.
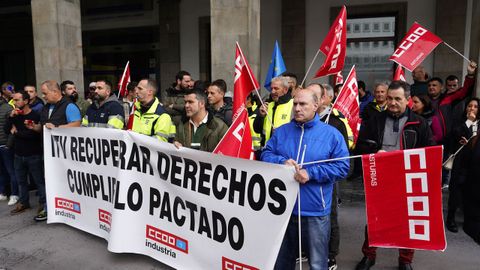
(25, 244)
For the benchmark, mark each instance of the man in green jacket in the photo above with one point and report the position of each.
(200, 129)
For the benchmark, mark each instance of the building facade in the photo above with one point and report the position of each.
(86, 40)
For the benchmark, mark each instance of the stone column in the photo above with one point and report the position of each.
(450, 26)
(57, 38)
(233, 21)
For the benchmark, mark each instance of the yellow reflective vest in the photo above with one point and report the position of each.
(342, 118)
(256, 137)
(283, 115)
(155, 122)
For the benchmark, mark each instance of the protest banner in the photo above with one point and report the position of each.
(186, 208)
(404, 198)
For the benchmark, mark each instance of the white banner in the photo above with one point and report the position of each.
(185, 208)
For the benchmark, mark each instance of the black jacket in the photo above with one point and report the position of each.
(415, 134)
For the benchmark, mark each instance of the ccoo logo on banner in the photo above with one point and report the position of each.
(404, 198)
(186, 208)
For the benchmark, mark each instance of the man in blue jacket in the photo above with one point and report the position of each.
(306, 139)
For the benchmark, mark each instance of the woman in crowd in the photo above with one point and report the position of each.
(422, 105)
(461, 134)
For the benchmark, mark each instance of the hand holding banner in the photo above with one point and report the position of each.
(404, 198)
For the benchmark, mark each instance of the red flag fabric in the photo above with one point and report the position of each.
(131, 116)
(237, 142)
(338, 78)
(404, 198)
(334, 46)
(415, 47)
(244, 81)
(347, 102)
(399, 75)
(122, 84)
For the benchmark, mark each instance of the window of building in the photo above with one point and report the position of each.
(370, 48)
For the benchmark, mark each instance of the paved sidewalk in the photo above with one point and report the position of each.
(25, 244)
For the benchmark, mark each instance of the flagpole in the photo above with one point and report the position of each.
(253, 82)
(308, 70)
(328, 160)
(468, 60)
(123, 78)
(299, 208)
(335, 102)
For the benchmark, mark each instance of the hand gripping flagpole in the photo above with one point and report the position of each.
(253, 82)
(308, 70)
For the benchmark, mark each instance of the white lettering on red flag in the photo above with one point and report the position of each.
(399, 74)
(347, 102)
(244, 81)
(124, 81)
(338, 78)
(334, 46)
(404, 199)
(415, 47)
(237, 142)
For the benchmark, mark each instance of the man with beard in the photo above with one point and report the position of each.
(69, 90)
(172, 98)
(105, 111)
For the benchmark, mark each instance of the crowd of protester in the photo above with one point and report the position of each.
(197, 114)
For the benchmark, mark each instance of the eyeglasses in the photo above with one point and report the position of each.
(92, 88)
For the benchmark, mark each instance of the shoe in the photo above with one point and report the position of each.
(13, 200)
(19, 208)
(332, 264)
(365, 264)
(40, 208)
(452, 225)
(42, 216)
(404, 266)
(445, 186)
(3, 197)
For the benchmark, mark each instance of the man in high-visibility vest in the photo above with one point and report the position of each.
(105, 110)
(277, 112)
(150, 117)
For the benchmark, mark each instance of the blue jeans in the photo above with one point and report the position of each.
(315, 238)
(34, 166)
(7, 171)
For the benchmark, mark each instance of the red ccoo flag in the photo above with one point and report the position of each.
(403, 198)
(237, 142)
(347, 102)
(244, 81)
(122, 85)
(399, 75)
(334, 46)
(415, 47)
